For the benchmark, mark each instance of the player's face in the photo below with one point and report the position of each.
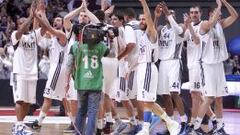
(58, 23)
(142, 22)
(115, 21)
(126, 18)
(21, 21)
(195, 14)
(83, 18)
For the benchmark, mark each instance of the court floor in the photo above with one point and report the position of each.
(53, 125)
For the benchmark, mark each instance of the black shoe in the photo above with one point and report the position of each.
(189, 128)
(108, 128)
(221, 132)
(183, 128)
(69, 129)
(199, 131)
(214, 123)
(99, 132)
(164, 133)
(35, 125)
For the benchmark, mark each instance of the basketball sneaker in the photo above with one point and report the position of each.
(173, 127)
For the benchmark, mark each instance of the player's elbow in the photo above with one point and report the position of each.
(130, 46)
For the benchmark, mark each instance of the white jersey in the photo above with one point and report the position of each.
(214, 45)
(25, 56)
(193, 50)
(170, 44)
(57, 58)
(147, 50)
(132, 34)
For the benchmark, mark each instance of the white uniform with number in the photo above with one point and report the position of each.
(25, 71)
(132, 34)
(170, 47)
(193, 57)
(55, 86)
(213, 55)
(147, 77)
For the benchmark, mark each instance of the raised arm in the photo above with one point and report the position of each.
(206, 25)
(40, 10)
(92, 17)
(45, 24)
(151, 31)
(24, 27)
(157, 14)
(187, 22)
(67, 19)
(226, 22)
(177, 28)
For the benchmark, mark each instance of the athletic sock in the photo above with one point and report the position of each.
(100, 124)
(41, 117)
(219, 123)
(183, 118)
(197, 123)
(166, 118)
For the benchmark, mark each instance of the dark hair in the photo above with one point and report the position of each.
(57, 16)
(118, 14)
(196, 6)
(211, 8)
(100, 15)
(130, 12)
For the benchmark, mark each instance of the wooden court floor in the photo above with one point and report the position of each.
(47, 129)
(56, 125)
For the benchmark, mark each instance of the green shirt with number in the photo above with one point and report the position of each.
(89, 74)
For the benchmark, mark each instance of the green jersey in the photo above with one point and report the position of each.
(89, 74)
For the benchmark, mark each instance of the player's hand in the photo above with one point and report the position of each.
(66, 89)
(158, 11)
(126, 76)
(164, 7)
(224, 1)
(187, 19)
(84, 4)
(109, 10)
(33, 9)
(41, 6)
(219, 3)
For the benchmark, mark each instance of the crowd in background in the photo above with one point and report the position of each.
(11, 10)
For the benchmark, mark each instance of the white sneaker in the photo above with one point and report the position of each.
(173, 127)
(21, 130)
(145, 129)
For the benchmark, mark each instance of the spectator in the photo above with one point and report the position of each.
(228, 66)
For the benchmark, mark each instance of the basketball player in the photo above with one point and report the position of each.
(147, 78)
(192, 23)
(132, 35)
(54, 88)
(121, 93)
(25, 71)
(214, 52)
(170, 46)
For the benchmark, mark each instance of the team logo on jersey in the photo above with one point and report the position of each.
(88, 75)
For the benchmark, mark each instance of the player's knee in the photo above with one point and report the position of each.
(218, 100)
(196, 95)
(175, 95)
(19, 103)
(47, 100)
(166, 97)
